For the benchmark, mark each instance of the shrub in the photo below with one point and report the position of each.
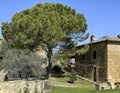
(57, 69)
(73, 76)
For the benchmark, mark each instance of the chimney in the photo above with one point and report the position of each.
(118, 36)
(92, 38)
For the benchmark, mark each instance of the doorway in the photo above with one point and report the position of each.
(94, 74)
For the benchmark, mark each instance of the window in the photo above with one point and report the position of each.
(84, 57)
(94, 54)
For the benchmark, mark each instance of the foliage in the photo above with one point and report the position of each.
(67, 49)
(73, 76)
(62, 62)
(1, 62)
(46, 24)
(41, 23)
(57, 69)
(82, 50)
(4, 46)
(23, 64)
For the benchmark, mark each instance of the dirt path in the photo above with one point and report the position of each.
(65, 84)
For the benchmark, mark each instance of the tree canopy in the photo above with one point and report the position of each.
(46, 24)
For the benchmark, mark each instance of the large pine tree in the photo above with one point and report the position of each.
(47, 24)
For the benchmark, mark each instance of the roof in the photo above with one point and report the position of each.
(111, 39)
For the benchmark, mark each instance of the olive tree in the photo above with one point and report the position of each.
(23, 64)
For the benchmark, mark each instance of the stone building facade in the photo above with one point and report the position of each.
(101, 63)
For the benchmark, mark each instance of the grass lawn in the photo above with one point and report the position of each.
(80, 90)
(66, 79)
(85, 87)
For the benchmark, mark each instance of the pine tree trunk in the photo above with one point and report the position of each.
(49, 55)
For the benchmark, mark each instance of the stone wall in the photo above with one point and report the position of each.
(20, 85)
(93, 68)
(114, 62)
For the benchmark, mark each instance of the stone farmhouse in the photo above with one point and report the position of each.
(101, 63)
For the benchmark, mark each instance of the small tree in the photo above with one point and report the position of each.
(73, 76)
(68, 50)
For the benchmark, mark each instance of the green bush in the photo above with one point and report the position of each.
(57, 69)
(73, 76)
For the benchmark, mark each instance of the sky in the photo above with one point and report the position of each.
(103, 16)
